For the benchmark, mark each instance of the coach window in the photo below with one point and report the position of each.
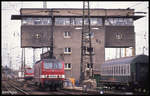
(124, 69)
(111, 70)
(108, 70)
(119, 70)
(128, 69)
(114, 70)
(105, 70)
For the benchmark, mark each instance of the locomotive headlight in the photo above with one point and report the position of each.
(62, 76)
(45, 76)
(42, 76)
(101, 92)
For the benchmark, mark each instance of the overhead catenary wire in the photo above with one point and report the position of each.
(135, 5)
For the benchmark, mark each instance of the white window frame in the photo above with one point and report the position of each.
(67, 68)
(67, 52)
(67, 34)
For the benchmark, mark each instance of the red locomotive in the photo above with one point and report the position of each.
(28, 74)
(49, 73)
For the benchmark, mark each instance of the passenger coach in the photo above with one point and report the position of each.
(131, 71)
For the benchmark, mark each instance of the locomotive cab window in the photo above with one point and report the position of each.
(29, 71)
(52, 65)
(48, 65)
(57, 65)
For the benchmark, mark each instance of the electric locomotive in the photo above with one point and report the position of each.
(128, 72)
(28, 73)
(49, 73)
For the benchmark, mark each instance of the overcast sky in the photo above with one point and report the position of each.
(11, 28)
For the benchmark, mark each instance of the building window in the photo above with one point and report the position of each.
(67, 66)
(36, 21)
(119, 36)
(27, 21)
(62, 21)
(91, 33)
(67, 35)
(119, 21)
(111, 70)
(67, 51)
(78, 21)
(87, 50)
(88, 66)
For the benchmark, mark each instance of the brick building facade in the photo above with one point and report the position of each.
(111, 28)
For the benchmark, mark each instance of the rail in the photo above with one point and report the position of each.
(22, 91)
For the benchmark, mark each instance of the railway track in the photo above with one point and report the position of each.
(20, 90)
(11, 89)
(30, 89)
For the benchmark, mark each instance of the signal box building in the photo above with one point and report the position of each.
(111, 28)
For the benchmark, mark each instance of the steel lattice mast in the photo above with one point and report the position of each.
(86, 46)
